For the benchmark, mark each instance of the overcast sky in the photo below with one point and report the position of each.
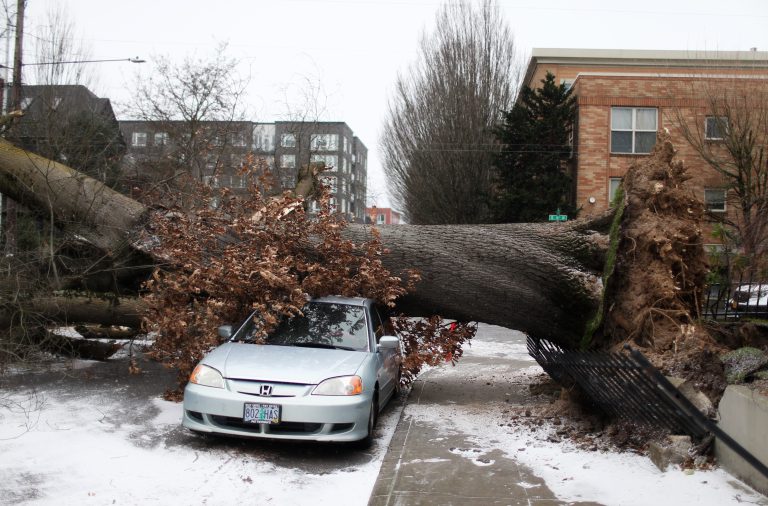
(355, 48)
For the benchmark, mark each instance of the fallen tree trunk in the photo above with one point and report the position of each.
(80, 204)
(541, 278)
(544, 279)
(125, 311)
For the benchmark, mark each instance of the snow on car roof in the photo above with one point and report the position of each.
(337, 299)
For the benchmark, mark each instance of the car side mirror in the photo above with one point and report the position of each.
(225, 331)
(389, 343)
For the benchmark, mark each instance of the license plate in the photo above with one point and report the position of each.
(261, 413)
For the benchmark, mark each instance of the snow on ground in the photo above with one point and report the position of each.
(624, 479)
(61, 448)
(71, 451)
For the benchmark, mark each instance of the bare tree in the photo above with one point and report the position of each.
(57, 40)
(437, 143)
(729, 130)
(197, 104)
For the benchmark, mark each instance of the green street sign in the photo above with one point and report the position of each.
(557, 216)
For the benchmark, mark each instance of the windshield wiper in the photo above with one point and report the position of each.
(324, 346)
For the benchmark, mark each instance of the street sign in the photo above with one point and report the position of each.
(558, 217)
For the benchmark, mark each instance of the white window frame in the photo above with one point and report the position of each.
(330, 161)
(381, 218)
(287, 161)
(139, 139)
(714, 121)
(634, 130)
(160, 138)
(613, 189)
(324, 142)
(331, 182)
(708, 203)
(288, 140)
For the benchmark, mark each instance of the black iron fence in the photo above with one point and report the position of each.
(628, 387)
(746, 296)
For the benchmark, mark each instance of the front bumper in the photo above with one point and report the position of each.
(304, 417)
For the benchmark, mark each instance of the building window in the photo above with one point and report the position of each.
(633, 129)
(287, 182)
(330, 182)
(288, 161)
(330, 161)
(239, 181)
(613, 187)
(715, 127)
(238, 139)
(288, 140)
(380, 219)
(161, 138)
(324, 142)
(139, 139)
(714, 200)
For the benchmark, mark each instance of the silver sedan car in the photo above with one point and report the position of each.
(323, 376)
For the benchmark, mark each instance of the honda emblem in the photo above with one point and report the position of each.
(265, 390)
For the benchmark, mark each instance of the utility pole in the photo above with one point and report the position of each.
(15, 105)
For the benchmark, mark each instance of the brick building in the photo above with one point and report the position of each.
(383, 216)
(222, 147)
(625, 97)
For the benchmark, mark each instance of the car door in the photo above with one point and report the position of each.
(387, 358)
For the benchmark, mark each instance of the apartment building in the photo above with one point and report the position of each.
(625, 97)
(334, 144)
(215, 152)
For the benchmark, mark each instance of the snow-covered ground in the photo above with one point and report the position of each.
(99, 447)
(77, 452)
(572, 474)
(63, 446)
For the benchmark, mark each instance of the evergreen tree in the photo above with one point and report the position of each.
(532, 167)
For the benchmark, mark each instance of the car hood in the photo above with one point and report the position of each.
(289, 364)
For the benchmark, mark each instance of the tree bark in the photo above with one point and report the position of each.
(543, 279)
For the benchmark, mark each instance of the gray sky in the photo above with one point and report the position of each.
(355, 48)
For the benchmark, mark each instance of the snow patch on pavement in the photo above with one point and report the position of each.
(572, 474)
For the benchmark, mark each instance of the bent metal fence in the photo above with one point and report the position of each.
(629, 387)
(745, 297)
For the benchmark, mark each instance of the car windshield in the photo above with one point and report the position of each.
(323, 325)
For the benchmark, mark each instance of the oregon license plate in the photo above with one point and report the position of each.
(261, 413)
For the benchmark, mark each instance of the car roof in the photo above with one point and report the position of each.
(350, 301)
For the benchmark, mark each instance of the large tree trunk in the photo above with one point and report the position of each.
(80, 204)
(543, 279)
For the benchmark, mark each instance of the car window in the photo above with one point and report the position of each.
(376, 324)
(322, 324)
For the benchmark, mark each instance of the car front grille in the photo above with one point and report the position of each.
(232, 422)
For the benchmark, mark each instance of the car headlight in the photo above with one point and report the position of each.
(206, 376)
(343, 385)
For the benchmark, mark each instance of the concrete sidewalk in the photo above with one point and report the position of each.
(426, 465)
